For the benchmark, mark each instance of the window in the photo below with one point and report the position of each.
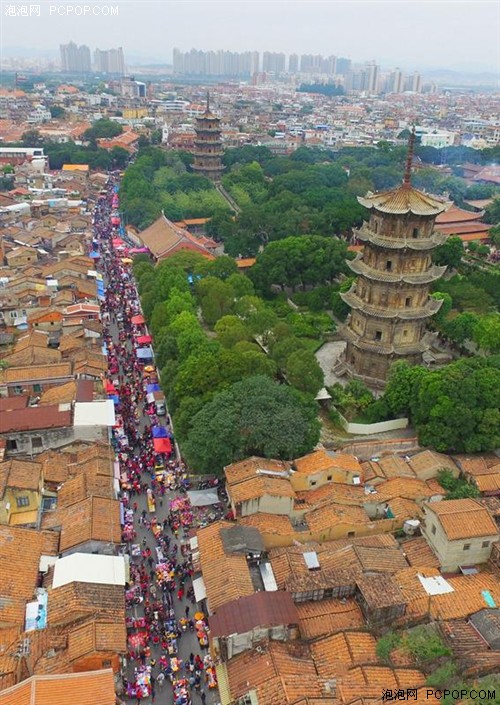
(408, 301)
(36, 442)
(37, 388)
(388, 265)
(11, 444)
(485, 544)
(405, 333)
(415, 233)
(106, 663)
(329, 477)
(351, 534)
(433, 529)
(378, 335)
(18, 389)
(312, 483)
(466, 546)
(13, 314)
(23, 501)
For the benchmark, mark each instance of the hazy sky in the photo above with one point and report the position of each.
(421, 33)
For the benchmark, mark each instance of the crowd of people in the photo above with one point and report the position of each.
(160, 601)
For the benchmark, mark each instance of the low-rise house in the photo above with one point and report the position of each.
(483, 471)
(242, 624)
(21, 256)
(321, 467)
(262, 493)
(33, 429)
(224, 564)
(21, 483)
(461, 532)
(81, 688)
(34, 380)
(380, 599)
(487, 623)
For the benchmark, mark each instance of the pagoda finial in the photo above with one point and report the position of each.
(208, 102)
(409, 158)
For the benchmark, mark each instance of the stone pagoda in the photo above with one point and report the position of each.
(207, 145)
(390, 301)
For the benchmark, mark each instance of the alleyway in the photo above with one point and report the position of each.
(157, 607)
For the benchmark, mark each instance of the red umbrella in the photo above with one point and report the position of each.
(137, 320)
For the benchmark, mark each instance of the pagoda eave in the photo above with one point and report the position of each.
(379, 348)
(403, 314)
(420, 245)
(427, 277)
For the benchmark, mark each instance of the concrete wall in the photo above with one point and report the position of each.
(268, 504)
(339, 531)
(367, 429)
(364, 450)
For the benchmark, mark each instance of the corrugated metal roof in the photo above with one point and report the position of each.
(262, 609)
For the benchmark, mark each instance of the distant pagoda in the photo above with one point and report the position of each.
(390, 301)
(208, 145)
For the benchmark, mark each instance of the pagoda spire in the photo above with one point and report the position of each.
(409, 159)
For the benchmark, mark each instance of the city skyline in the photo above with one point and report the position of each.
(417, 35)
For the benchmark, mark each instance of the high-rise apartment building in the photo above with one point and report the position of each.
(215, 63)
(293, 63)
(396, 83)
(342, 66)
(75, 59)
(109, 61)
(413, 83)
(273, 62)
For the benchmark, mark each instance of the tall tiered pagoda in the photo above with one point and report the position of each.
(208, 145)
(390, 301)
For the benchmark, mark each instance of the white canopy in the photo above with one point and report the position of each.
(90, 568)
(203, 498)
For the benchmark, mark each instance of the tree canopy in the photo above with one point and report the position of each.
(256, 416)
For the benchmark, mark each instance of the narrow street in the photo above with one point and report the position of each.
(158, 607)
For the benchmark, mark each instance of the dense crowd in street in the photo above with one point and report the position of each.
(167, 633)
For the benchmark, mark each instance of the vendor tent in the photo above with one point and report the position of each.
(110, 387)
(203, 498)
(137, 320)
(145, 353)
(143, 339)
(159, 432)
(152, 388)
(200, 591)
(162, 445)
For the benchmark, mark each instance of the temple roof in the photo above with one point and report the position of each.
(402, 200)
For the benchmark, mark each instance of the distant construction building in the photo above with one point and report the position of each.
(75, 59)
(390, 301)
(208, 145)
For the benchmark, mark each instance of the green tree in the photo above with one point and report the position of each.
(486, 333)
(461, 327)
(56, 111)
(103, 128)
(303, 372)
(446, 306)
(402, 383)
(231, 330)
(450, 253)
(31, 138)
(256, 416)
(456, 488)
(457, 408)
(216, 298)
